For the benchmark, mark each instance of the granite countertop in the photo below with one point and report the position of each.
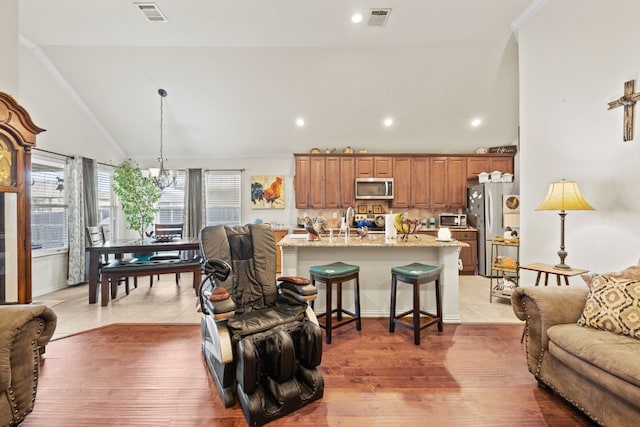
(371, 240)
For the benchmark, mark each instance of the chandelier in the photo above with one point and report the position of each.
(162, 177)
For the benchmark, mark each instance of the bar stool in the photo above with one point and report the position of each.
(415, 274)
(331, 274)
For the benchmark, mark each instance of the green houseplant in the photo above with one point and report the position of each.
(138, 196)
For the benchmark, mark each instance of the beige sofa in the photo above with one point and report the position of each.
(24, 331)
(595, 370)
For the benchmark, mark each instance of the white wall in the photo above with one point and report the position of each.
(9, 47)
(575, 56)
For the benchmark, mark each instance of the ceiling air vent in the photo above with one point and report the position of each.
(151, 11)
(379, 17)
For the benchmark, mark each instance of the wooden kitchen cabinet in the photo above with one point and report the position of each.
(317, 183)
(347, 181)
(332, 183)
(324, 181)
(374, 167)
(301, 181)
(420, 180)
(468, 256)
(423, 181)
(448, 186)
(488, 164)
(401, 182)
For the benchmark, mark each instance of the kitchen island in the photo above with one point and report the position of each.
(376, 256)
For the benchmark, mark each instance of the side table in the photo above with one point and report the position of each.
(550, 269)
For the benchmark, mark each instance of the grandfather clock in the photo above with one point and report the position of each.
(17, 138)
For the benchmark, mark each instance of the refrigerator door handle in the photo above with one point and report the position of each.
(489, 210)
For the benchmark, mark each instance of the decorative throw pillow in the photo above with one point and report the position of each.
(613, 305)
(632, 273)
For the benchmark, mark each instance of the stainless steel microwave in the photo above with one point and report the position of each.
(453, 220)
(374, 188)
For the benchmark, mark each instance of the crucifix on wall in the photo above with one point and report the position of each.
(628, 101)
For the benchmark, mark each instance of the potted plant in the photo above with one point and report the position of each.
(138, 196)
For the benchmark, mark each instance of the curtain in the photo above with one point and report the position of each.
(75, 203)
(193, 203)
(193, 206)
(90, 192)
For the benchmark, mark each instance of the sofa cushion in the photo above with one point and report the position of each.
(632, 272)
(613, 305)
(610, 360)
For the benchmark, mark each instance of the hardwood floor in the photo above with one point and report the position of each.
(154, 375)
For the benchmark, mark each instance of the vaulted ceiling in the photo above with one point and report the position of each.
(240, 72)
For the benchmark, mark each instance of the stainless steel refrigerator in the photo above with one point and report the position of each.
(484, 212)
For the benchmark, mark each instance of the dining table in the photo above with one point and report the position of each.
(119, 247)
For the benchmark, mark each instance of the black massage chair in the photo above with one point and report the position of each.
(261, 340)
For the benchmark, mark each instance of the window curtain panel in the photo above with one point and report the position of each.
(194, 206)
(90, 191)
(75, 209)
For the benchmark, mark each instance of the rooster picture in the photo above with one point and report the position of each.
(267, 191)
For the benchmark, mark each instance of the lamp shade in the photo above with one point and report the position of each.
(564, 196)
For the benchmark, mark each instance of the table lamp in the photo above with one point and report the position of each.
(564, 196)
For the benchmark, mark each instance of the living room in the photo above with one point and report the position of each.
(572, 59)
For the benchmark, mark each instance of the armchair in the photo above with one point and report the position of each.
(24, 331)
(261, 340)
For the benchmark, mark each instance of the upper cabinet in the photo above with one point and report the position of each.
(324, 181)
(420, 182)
(448, 186)
(401, 182)
(488, 163)
(424, 181)
(347, 181)
(374, 167)
(301, 181)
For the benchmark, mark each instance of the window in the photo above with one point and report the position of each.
(49, 228)
(172, 202)
(222, 198)
(107, 207)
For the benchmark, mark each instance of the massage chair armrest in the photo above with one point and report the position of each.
(220, 304)
(298, 288)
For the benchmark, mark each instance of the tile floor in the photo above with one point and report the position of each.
(167, 303)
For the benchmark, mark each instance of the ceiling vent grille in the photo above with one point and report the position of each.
(151, 11)
(379, 17)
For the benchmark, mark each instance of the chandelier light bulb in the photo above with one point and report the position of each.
(356, 18)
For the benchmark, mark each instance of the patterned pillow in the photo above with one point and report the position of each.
(632, 272)
(613, 305)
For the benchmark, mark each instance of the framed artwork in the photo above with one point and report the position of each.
(362, 209)
(267, 192)
(377, 209)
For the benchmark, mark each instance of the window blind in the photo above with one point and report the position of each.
(49, 228)
(172, 202)
(223, 203)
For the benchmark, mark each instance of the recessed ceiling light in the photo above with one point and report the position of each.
(300, 122)
(356, 18)
(388, 122)
(476, 122)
